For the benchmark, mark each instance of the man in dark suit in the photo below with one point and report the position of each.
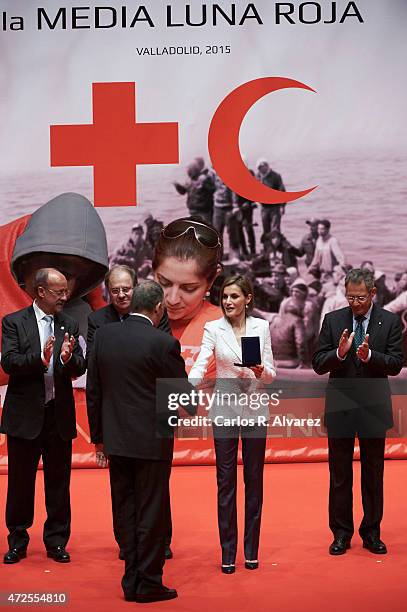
(360, 346)
(125, 361)
(41, 354)
(120, 282)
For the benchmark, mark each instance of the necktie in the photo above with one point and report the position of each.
(359, 331)
(49, 374)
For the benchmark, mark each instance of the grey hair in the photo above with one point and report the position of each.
(360, 275)
(41, 278)
(120, 268)
(146, 296)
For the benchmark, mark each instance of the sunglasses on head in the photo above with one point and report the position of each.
(205, 235)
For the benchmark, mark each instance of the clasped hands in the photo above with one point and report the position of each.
(345, 344)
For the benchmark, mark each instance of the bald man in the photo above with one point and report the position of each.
(41, 354)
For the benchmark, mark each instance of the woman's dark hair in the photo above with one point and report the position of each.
(186, 246)
(244, 284)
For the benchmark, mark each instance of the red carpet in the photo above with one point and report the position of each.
(296, 573)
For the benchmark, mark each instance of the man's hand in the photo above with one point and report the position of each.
(48, 350)
(67, 347)
(363, 350)
(101, 459)
(345, 343)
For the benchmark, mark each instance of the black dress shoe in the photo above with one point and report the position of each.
(168, 553)
(228, 569)
(59, 554)
(14, 555)
(339, 546)
(121, 554)
(159, 595)
(375, 545)
(251, 565)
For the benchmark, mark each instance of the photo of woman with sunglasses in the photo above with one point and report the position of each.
(186, 261)
(222, 340)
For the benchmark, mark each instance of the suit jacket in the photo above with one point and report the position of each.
(220, 340)
(108, 314)
(123, 411)
(358, 394)
(24, 404)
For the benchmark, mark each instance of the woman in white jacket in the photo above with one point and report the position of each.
(222, 338)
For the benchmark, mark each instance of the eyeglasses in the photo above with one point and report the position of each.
(205, 235)
(117, 290)
(59, 293)
(357, 298)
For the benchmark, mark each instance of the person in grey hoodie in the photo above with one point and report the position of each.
(66, 233)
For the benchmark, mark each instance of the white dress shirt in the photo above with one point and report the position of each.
(39, 315)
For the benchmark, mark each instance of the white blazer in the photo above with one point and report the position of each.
(219, 339)
(236, 390)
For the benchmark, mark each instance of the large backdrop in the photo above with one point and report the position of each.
(114, 100)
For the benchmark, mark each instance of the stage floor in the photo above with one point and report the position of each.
(296, 573)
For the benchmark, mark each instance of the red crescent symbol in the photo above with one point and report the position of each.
(223, 141)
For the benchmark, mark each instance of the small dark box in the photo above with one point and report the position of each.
(250, 351)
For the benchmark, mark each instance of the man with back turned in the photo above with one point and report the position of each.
(120, 282)
(360, 346)
(125, 361)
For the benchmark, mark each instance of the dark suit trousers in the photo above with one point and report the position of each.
(140, 489)
(23, 458)
(253, 450)
(116, 509)
(341, 481)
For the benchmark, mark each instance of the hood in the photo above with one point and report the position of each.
(301, 285)
(66, 225)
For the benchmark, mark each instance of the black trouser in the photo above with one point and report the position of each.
(271, 217)
(341, 481)
(246, 212)
(253, 450)
(221, 218)
(116, 507)
(140, 489)
(23, 458)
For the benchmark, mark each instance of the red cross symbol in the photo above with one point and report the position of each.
(114, 144)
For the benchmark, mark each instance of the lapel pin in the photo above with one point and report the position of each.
(380, 322)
